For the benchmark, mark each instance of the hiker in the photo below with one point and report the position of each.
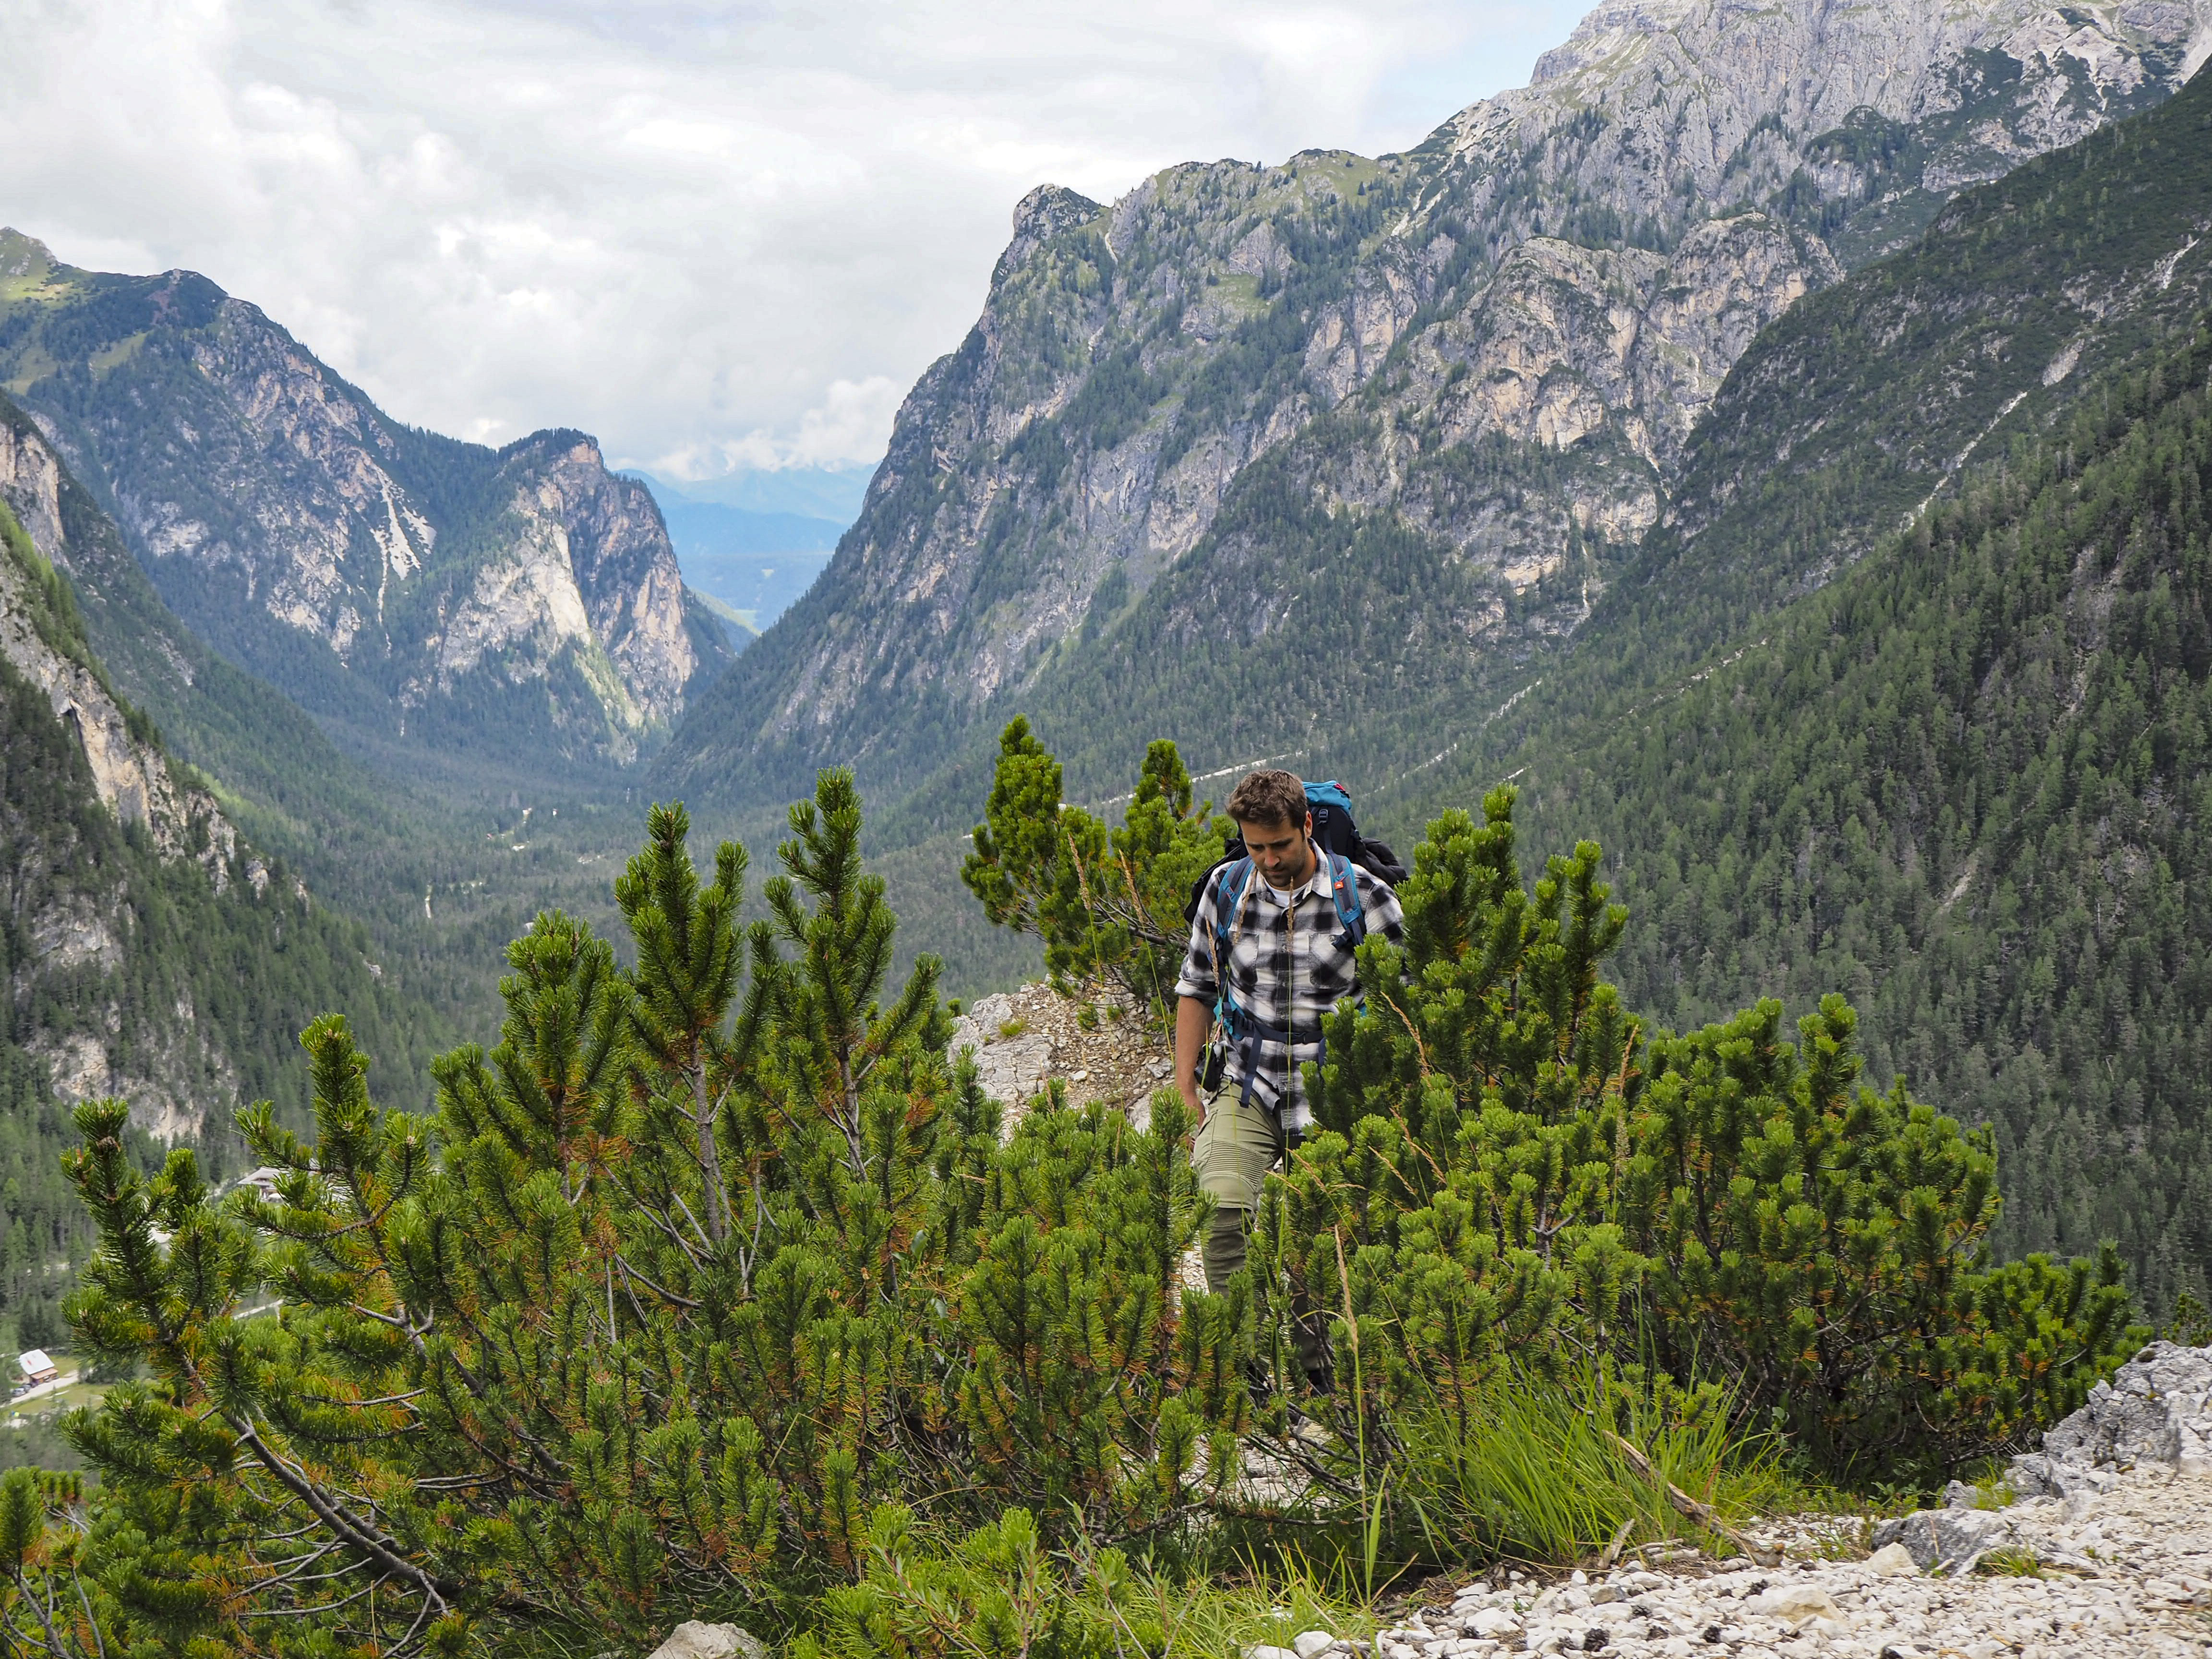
(1272, 937)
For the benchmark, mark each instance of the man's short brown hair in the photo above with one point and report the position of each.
(1268, 798)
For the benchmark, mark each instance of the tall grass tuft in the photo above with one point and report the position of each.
(1530, 1472)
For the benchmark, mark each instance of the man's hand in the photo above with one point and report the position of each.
(1192, 1017)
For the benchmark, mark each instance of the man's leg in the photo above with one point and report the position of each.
(1234, 1149)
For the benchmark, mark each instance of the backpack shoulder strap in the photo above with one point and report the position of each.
(1344, 893)
(1228, 895)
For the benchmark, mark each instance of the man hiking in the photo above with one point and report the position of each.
(1271, 949)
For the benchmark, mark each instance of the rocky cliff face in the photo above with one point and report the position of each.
(131, 774)
(1491, 351)
(581, 566)
(398, 584)
(85, 773)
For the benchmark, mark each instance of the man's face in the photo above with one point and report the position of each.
(1281, 851)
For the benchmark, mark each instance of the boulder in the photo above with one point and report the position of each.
(2036, 1474)
(1311, 1642)
(2155, 1411)
(1893, 1561)
(694, 1640)
(1796, 1603)
(1954, 1539)
(2157, 1408)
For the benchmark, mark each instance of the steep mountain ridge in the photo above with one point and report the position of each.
(1468, 371)
(412, 591)
(1911, 701)
(150, 950)
(150, 945)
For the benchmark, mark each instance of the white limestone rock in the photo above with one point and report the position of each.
(2157, 1408)
(1893, 1561)
(1952, 1539)
(693, 1639)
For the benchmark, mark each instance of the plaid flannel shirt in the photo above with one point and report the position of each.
(1286, 965)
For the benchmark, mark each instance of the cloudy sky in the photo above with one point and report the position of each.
(721, 235)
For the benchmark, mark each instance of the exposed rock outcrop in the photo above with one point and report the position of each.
(74, 924)
(695, 1639)
(134, 778)
(2156, 1409)
(2153, 1416)
(1025, 1040)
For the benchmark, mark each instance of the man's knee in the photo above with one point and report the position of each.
(1223, 1249)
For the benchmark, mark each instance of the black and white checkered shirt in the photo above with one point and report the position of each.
(1285, 963)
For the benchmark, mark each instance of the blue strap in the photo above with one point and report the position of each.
(1225, 904)
(1351, 910)
(1344, 892)
(1237, 1024)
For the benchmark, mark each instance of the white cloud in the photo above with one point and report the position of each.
(719, 234)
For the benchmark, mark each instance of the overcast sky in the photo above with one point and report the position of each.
(717, 234)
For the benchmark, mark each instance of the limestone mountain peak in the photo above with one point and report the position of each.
(407, 589)
(1497, 345)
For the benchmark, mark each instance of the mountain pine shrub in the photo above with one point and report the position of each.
(702, 1266)
(1511, 1170)
(1107, 902)
(1510, 1164)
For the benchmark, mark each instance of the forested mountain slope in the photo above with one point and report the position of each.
(1969, 785)
(423, 597)
(1959, 771)
(1403, 418)
(149, 950)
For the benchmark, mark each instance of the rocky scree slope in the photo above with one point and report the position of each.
(2108, 1551)
(1407, 415)
(417, 595)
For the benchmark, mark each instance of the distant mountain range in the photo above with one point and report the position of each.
(420, 596)
(755, 561)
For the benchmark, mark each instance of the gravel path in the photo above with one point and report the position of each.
(2143, 1587)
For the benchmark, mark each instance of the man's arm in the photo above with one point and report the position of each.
(1192, 1018)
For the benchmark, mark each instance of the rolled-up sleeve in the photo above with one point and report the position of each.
(1197, 979)
(1384, 916)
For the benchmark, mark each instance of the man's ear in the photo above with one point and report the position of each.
(1308, 824)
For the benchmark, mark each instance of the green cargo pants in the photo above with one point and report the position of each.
(1232, 1154)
